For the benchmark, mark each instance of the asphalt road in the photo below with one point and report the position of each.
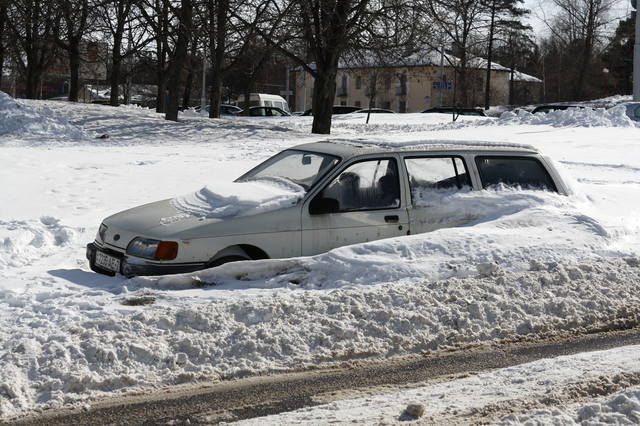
(258, 396)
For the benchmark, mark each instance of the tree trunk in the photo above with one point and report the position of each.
(487, 89)
(116, 64)
(178, 59)
(216, 91)
(186, 95)
(74, 70)
(218, 57)
(324, 91)
(33, 79)
(3, 15)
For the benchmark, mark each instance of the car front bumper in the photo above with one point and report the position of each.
(130, 267)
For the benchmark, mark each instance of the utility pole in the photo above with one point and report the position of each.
(636, 56)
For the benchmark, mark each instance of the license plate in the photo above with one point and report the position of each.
(107, 262)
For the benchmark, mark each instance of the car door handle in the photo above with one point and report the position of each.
(392, 219)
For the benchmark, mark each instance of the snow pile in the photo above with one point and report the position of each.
(103, 346)
(22, 242)
(572, 117)
(26, 121)
(240, 198)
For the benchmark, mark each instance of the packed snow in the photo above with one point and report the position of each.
(529, 262)
(484, 398)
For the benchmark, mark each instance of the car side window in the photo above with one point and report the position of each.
(276, 113)
(366, 185)
(523, 172)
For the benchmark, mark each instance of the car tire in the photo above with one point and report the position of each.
(226, 259)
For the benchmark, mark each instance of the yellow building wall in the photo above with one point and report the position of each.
(418, 96)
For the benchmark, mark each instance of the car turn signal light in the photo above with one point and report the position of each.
(167, 250)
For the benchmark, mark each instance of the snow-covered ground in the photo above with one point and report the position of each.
(534, 263)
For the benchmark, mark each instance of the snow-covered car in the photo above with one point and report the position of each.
(310, 199)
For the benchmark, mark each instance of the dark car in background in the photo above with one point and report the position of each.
(225, 109)
(375, 111)
(337, 109)
(455, 110)
(266, 111)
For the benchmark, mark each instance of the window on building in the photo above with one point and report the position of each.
(357, 103)
(358, 82)
(401, 90)
(342, 91)
(386, 105)
(402, 106)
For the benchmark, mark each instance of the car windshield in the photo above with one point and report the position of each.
(300, 167)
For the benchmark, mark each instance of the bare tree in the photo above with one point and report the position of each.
(501, 15)
(69, 31)
(157, 14)
(458, 21)
(121, 24)
(316, 34)
(178, 56)
(31, 29)
(3, 20)
(579, 26)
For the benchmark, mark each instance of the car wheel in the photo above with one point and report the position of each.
(226, 259)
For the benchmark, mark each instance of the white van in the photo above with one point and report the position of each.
(264, 99)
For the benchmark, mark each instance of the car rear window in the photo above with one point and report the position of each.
(524, 172)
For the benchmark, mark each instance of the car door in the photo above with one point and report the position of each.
(363, 202)
(434, 182)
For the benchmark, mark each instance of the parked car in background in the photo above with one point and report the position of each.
(338, 194)
(225, 109)
(264, 99)
(375, 111)
(260, 111)
(455, 110)
(337, 109)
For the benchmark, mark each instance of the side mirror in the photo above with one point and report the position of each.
(306, 160)
(320, 205)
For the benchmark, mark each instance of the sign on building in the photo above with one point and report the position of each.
(442, 85)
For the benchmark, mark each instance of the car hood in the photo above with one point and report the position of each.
(161, 220)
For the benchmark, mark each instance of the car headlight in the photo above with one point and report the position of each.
(102, 232)
(153, 249)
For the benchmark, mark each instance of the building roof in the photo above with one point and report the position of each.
(428, 57)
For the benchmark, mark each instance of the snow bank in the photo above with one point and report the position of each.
(24, 241)
(104, 346)
(240, 198)
(572, 117)
(26, 121)
(622, 408)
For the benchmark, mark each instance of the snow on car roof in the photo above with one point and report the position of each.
(351, 148)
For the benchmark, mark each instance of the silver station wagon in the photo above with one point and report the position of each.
(348, 192)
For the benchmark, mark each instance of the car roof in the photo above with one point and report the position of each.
(350, 148)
